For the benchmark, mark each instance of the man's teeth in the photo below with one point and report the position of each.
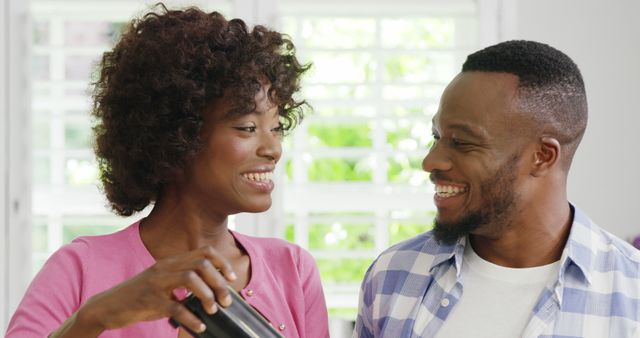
(260, 177)
(448, 190)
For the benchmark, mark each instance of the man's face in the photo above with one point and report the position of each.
(475, 156)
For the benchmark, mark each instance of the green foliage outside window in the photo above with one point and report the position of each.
(77, 134)
(81, 172)
(336, 91)
(69, 232)
(418, 33)
(408, 68)
(339, 32)
(408, 135)
(336, 135)
(339, 236)
(341, 67)
(344, 270)
(337, 170)
(39, 235)
(406, 170)
(358, 111)
(399, 231)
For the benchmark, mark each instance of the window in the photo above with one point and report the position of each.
(354, 183)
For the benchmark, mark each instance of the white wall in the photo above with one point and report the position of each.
(603, 38)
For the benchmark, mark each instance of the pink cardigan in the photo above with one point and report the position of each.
(284, 286)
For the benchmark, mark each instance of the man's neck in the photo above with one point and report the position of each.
(536, 238)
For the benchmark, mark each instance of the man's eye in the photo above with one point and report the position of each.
(459, 143)
(247, 129)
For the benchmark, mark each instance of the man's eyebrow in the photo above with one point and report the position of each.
(460, 126)
(468, 130)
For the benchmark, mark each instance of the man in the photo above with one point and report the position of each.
(509, 256)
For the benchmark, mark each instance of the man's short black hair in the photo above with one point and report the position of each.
(550, 89)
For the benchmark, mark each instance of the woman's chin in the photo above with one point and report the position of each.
(258, 207)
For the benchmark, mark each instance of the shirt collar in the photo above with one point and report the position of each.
(576, 251)
(447, 253)
(579, 251)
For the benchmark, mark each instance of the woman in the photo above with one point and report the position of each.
(191, 109)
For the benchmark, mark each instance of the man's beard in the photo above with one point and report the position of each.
(499, 201)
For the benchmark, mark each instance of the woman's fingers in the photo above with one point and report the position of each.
(219, 262)
(181, 314)
(209, 266)
(193, 282)
(214, 281)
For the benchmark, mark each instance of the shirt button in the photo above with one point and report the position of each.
(250, 292)
(281, 327)
(444, 302)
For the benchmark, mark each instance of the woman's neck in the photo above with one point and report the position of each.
(178, 225)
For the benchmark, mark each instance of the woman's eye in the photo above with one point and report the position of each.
(251, 129)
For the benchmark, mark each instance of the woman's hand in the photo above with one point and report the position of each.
(149, 295)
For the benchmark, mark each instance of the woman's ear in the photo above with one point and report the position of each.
(546, 156)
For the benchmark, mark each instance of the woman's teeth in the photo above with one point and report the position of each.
(448, 190)
(260, 177)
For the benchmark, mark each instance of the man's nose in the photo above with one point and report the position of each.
(436, 159)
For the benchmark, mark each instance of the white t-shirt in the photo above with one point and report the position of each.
(496, 301)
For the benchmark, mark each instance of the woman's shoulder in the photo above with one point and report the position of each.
(110, 242)
(117, 236)
(110, 247)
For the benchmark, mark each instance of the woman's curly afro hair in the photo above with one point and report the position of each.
(158, 80)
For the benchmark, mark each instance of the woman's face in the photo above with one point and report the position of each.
(234, 170)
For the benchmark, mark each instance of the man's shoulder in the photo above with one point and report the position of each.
(601, 242)
(424, 242)
(614, 254)
(610, 264)
(603, 276)
(416, 253)
(618, 246)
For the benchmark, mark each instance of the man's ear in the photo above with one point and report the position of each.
(546, 156)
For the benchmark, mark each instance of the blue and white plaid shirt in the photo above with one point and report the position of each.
(412, 287)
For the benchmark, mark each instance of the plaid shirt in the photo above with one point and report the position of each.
(412, 287)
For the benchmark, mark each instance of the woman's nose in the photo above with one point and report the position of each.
(270, 146)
